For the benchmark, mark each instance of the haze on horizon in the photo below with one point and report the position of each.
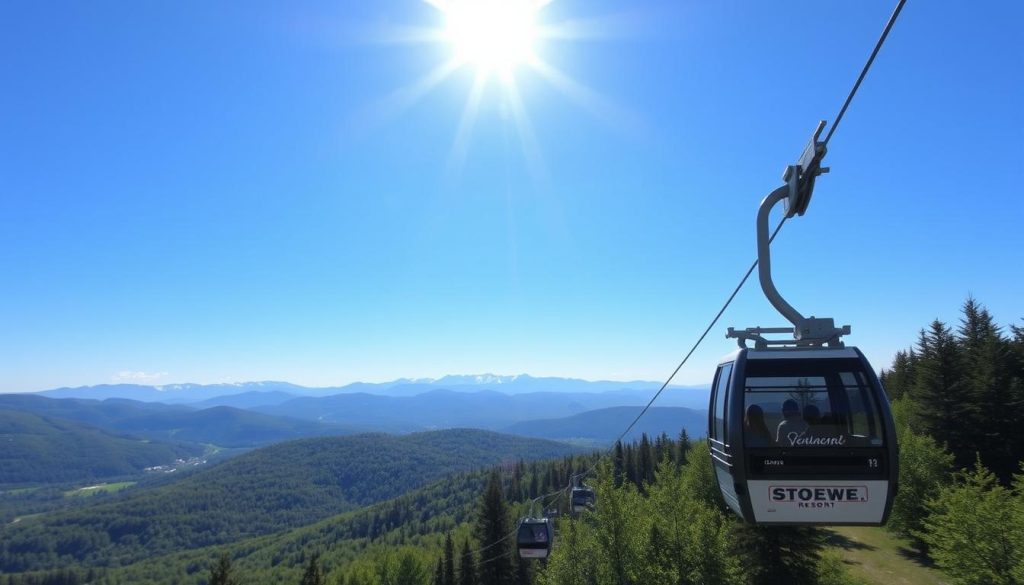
(331, 193)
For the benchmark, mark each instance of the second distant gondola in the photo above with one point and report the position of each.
(583, 499)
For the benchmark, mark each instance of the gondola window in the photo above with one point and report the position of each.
(804, 408)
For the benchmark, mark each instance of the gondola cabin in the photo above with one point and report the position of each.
(534, 538)
(802, 436)
(583, 499)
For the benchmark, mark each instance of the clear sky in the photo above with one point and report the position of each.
(303, 191)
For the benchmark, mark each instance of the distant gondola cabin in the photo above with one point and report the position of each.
(534, 538)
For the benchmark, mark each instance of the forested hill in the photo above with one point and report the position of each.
(221, 425)
(267, 490)
(36, 449)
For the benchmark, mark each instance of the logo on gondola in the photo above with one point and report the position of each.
(819, 497)
(800, 440)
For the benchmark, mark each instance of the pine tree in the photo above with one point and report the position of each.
(995, 411)
(629, 465)
(493, 528)
(780, 554)
(683, 447)
(524, 575)
(314, 574)
(899, 381)
(467, 566)
(618, 464)
(645, 465)
(940, 392)
(439, 572)
(222, 572)
(449, 561)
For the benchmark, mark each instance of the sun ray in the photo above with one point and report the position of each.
(618, 26)
(524, 129)
(604, 110)
(460, 146)
(394, 34)
(403, 98)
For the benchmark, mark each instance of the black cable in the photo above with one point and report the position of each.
(692, 349)
(864, 72)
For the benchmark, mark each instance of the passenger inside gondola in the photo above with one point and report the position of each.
(792, 426)
(755, 430)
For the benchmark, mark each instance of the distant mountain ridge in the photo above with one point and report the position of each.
(486, 409)
(602, 426)
(224, 426)
(276, 392)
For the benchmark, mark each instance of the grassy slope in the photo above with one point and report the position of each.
(876, 556)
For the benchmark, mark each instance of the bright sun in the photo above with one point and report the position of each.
(493, 35)
(500, 40)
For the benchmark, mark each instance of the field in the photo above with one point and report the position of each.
(103, 488)
(878, 557)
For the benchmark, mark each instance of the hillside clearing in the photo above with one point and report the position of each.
(878, 557)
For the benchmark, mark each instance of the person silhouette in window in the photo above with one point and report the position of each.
(755, 430)
(540, 534)
(792, 427)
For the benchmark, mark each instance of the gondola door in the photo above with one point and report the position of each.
(718, 439)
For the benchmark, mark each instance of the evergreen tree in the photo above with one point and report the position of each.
(524, 574)
(940, 391)
(467, 566)
(682, 447)
(449, 561)
(899, 381)
(779, 554)
(314, 574)
(439, 572)
(645, 463)
(629, 465)
(493, 528)
(995, 409)
(618, 464)
(222, 572)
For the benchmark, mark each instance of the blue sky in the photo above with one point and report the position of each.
(207, 193)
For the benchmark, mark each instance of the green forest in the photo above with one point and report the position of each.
(957, 395)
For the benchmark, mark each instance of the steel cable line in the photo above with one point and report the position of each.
(692, 349)
(864, 71)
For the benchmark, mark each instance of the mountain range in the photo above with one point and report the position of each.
(271, 392)
(220, 425)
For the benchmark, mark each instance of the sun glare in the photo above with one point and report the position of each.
(491, 34)
(499, 40)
